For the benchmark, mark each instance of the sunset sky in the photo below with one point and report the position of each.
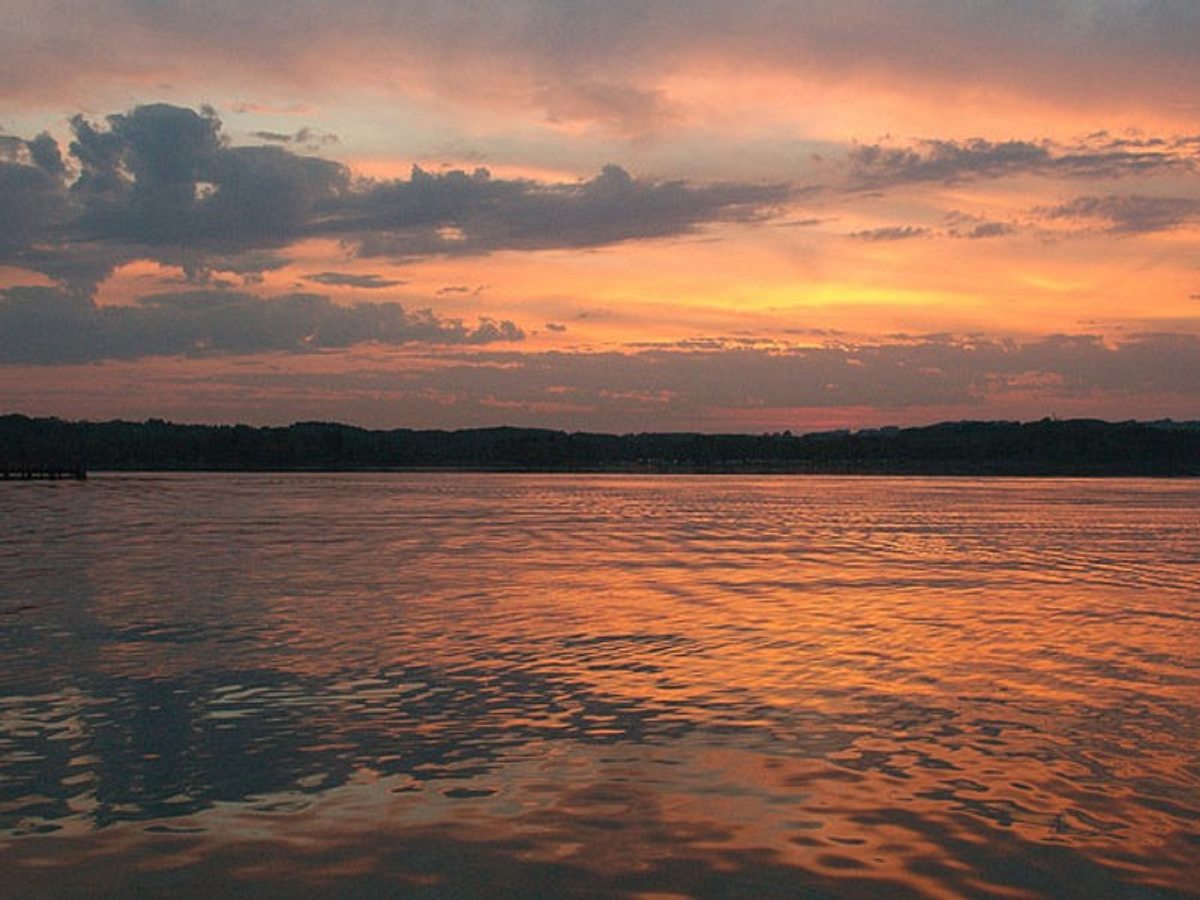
(600, 214)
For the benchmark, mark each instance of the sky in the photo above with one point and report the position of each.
(598, 214)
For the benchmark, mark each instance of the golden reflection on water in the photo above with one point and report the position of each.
(516, 685)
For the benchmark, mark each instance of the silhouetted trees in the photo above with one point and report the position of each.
(1049, 447)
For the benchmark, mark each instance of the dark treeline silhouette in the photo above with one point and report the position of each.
(1046, 447)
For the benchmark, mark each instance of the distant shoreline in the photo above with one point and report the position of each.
(1047, 448)
(872, 472)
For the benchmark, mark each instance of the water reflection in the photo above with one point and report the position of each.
(503, 685)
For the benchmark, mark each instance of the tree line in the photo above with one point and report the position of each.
(1045, 447)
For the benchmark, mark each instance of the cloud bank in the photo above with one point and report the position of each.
(604, 60)
(162, 182)
(1129, 213)
(51, 326)
(719, 385)
(921, 371)
(874, 166)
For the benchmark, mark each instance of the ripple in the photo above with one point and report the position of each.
(613, 685)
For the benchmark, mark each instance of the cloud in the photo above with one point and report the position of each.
(972, 227)
(874, 165)
(1129, 213)
(629, 111)
(709, 383)
(989, 230)
(163, 174)
(890, 233)
(605, 59)
(32, 202)
(47, 325)
(307, 137)
(459, 213)
(877, 165)
(30, 205)
(705, 384)
(44, 153)
(163, 181)
(346, 279)
(920, 372)
(959, 225)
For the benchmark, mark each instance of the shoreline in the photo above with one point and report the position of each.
(864, 472)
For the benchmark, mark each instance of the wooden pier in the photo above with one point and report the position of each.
(42, 473)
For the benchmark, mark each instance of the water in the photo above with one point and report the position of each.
(536, 686)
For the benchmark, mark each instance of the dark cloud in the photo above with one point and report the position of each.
(31, 204)
(890, 233)
(460, 213)
(705, 382)
(45, 153)
(875, 164)
(306, 137)
(46, 325)
(878, 165)
(163, 182)
(989, 230)
(555, 326)
(1129, 213)
(964, 225)
(346, 279)
(13, 149)
(42, 152)
(200, 266)
(163, 175)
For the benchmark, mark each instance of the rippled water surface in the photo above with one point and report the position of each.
(535, 686)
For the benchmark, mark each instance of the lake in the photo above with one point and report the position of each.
(481, 685)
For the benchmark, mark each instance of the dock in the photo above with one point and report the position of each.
(43, 473)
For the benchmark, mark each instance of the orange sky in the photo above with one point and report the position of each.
(821, 213)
